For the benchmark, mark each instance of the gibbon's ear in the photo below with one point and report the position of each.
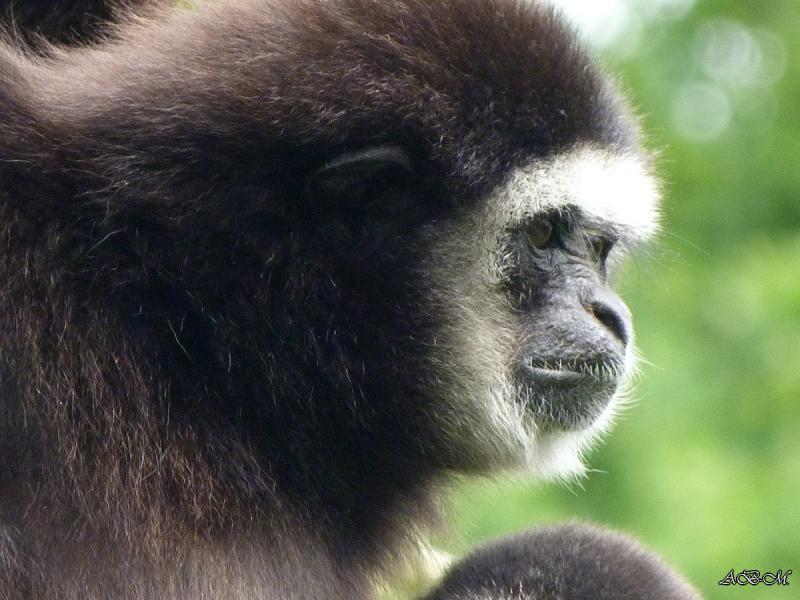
(359, 180)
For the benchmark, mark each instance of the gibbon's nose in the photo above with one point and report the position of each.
(607, 308)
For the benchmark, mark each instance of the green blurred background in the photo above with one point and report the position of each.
(705, 468)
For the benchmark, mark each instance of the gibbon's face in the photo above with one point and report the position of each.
(538, 348)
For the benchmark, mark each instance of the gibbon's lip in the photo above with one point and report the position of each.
(567, 374)
(560, 377)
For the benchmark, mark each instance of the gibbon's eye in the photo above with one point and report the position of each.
(539, 232)
(601, 247)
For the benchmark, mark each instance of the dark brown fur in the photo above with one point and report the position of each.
(36, 23)
(569, 562)
(202, 396)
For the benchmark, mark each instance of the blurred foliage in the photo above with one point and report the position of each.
(705, 468)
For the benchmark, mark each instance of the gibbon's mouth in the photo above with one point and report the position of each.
(567, 395)
(567, 373)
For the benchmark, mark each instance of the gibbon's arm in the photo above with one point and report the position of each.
(567, 562)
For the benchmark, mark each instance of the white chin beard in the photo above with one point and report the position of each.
(560, 454)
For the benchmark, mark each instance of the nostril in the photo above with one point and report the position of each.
(611, 318)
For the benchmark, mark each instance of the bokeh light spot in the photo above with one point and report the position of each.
(701, 111)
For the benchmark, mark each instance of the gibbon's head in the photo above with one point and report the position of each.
(384, 224)
(511, 169)
(504, 163)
